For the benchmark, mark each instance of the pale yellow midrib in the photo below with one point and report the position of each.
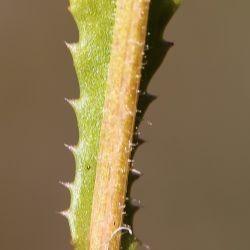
(118, 123)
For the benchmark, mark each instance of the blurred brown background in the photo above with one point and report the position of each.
(196, 164)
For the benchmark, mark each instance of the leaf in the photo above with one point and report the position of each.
(92, 56)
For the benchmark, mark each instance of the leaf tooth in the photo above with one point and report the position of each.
(65, 213)
(145, 100)
(138, 142)
(72, 47)
(78, 105)
(135, 204)
(136, 173)
(70, 148)
(67, 185)
(71, 102)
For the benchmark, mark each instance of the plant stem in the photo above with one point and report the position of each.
(118, 123)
